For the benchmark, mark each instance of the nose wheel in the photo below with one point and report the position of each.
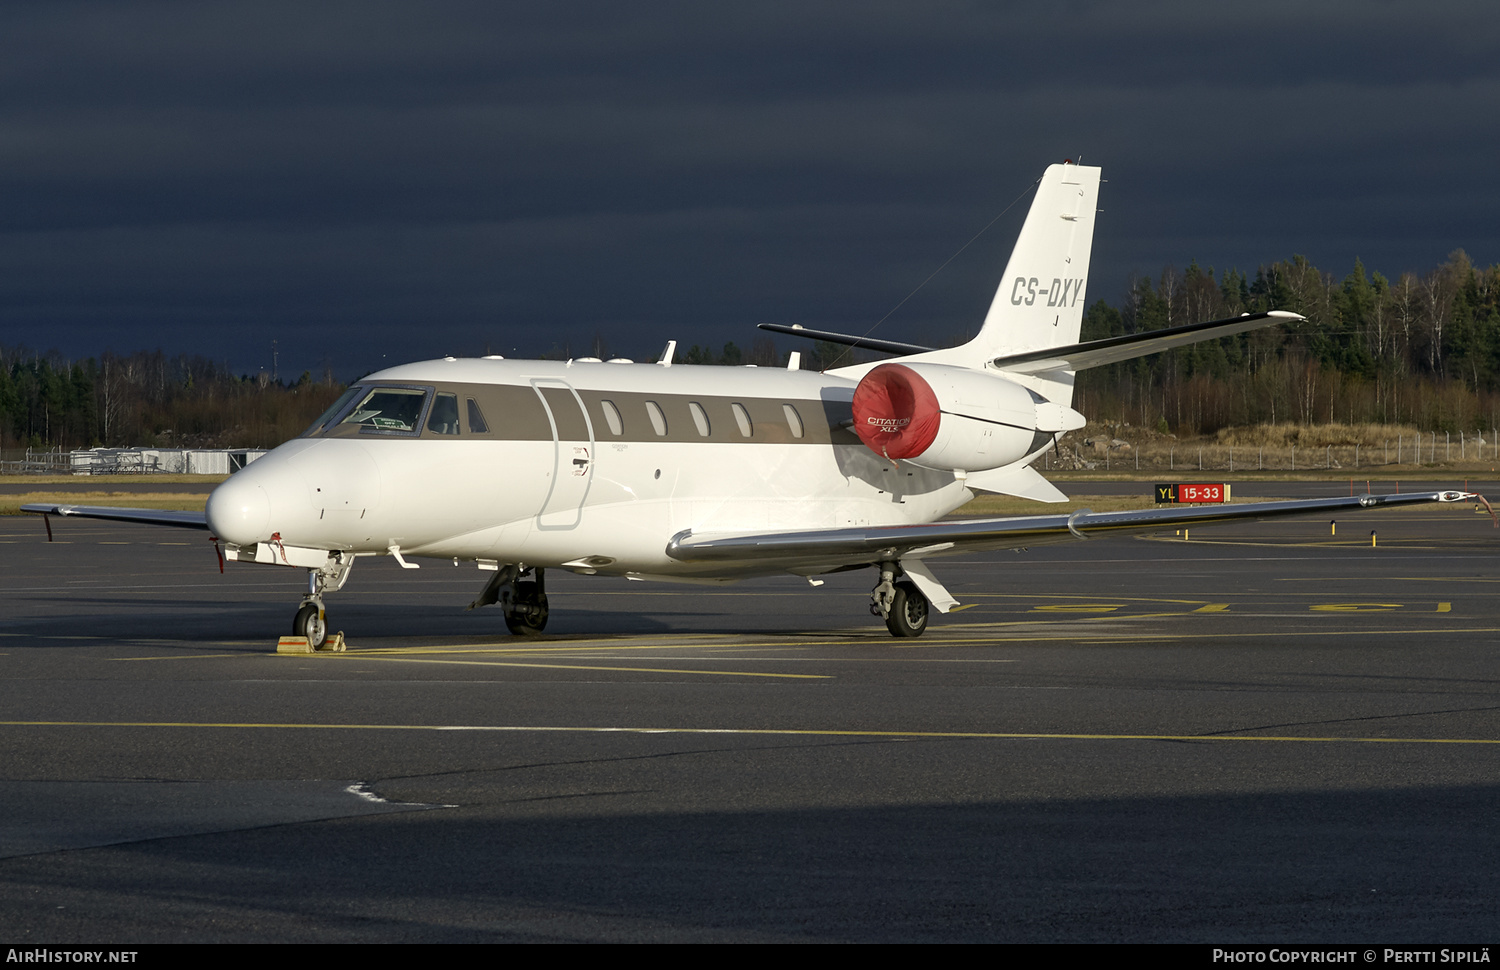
(311, 622)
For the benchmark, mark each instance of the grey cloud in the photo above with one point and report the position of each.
(445, 176)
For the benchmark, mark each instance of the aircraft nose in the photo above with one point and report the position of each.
(239, 511)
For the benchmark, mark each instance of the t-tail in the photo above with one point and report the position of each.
(1040, 302)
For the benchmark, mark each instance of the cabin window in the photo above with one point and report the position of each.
(444, 416)
(742, 418)
(658, 420)
(477, 424)
(392, 410)
(700, 417)
(793, 420)
(612, 417)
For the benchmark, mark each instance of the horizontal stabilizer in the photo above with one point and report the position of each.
(1112, 350)
(1024, 482)
(868, 343)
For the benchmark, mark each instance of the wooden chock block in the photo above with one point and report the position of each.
(293, 645)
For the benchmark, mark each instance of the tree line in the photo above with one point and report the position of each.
(1419, 350)
(149, 398)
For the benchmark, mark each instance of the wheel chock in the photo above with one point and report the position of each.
(293, 645)
(334, 644)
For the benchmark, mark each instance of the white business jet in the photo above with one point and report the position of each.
(711, 474)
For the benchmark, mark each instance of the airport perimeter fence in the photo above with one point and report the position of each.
(128, 461)
(1430, 448)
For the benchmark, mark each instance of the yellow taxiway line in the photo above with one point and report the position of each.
(632, 670)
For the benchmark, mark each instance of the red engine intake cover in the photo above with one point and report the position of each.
(896, 413)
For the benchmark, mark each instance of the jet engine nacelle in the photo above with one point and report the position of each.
(953, 418)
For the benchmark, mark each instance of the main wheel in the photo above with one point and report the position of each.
(528, 616)
(311, 625)
(908, 615)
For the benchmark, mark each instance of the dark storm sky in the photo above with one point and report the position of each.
(376, 182)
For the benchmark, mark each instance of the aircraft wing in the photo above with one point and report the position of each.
(183, 520)
(839, 547)
(868, 343)
(1112, 350)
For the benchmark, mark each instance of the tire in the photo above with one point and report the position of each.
(909, 609)
(529, 616)
(309, 624)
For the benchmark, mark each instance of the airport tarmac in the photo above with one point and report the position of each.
(1262, 733)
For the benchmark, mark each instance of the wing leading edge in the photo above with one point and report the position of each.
(182, 520)
(1112, 350)
(838, 547)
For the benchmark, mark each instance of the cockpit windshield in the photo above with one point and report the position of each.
(338, 408)
(401, 411)
(389, 409)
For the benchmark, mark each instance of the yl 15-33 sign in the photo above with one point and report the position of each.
(1193, 493)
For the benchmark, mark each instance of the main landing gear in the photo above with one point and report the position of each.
(521, 592)
(900, 603)
(311, 620)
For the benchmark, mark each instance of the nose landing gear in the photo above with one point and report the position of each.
(311, 620)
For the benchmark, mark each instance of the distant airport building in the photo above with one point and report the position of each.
(161, 461)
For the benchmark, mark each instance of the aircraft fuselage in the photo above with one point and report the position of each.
(582, 464)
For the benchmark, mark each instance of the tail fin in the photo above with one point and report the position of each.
(1040, 301)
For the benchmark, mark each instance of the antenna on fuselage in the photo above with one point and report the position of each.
(794, 360)
(668, 354)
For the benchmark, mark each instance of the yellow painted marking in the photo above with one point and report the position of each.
(961, 608)
(563, 648)
(1065, 596)
(1212, 608)
(1071, 637)
(1445, 608)
(1077, 608)
(184, 656)
(1354, 607)
(753, 732)
(633, 670)
(932, 642)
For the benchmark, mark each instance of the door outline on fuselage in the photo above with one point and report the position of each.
(572, 473)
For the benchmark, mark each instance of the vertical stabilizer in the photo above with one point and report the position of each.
(1040, 301)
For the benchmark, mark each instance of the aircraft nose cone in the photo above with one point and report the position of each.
(239, 511)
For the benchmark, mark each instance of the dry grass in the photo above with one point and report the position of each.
(1282, 451)
(1311, 435)
(176, 501)
(1010, 505)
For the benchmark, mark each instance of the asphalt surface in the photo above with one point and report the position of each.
(1263, 733)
